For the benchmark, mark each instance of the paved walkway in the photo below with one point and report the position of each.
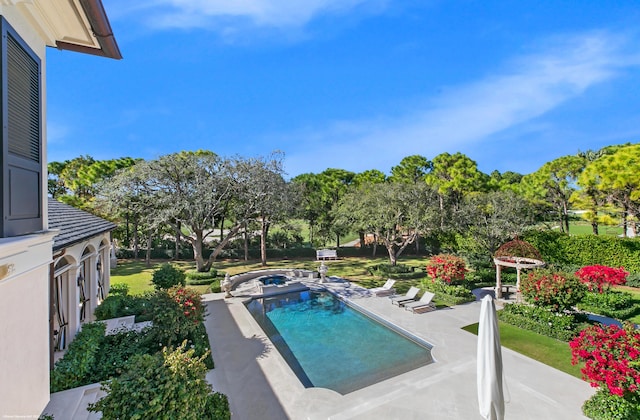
(260, 384)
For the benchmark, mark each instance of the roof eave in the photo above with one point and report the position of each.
(97, 17)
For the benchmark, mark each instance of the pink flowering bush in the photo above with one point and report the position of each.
(612, 357)
(557, 291)
(448, 268)
(602, 277)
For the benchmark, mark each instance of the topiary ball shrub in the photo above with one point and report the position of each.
(168, 276)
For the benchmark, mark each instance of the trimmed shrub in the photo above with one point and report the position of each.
(448, 268)
(581, 250)
(168, 276)
(118, 305)
(215, 286)
(74, 368)
(604, 406)
(614, 303)
(398, 271)
(448, 294)
(633, 280)
(167, 385)
(558, 291)
(558, 325)
(200, 275)
(115, 351)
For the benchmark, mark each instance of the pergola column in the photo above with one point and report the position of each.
(498, 282)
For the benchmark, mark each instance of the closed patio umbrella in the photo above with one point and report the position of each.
(490, 393)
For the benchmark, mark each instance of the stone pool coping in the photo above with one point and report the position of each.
(260, 384)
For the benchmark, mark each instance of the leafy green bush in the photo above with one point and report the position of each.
(397, 272)
(581, 250)
(558, 325)
(215, 286)
(74, 368)
(115, 351)
(613, 303)
(121, 289)
(167, 385)
(633, 280)
(448, 294)
(168, 276)
(605, 406)
(118, 305)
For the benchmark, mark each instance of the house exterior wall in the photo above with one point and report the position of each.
(24, 325)
(24, 283)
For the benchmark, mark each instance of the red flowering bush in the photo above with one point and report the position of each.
(611, 356)
(189, 302)
(177, 314)
(557, 291)
(448, 268)
(602, 277)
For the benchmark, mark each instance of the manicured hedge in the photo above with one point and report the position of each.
(561, 326)
(74, 368)
(449, 295)
(613, 303)
(582, 250)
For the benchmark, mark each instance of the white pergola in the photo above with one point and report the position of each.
(519, 263)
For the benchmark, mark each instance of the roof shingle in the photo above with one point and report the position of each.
(75, 225)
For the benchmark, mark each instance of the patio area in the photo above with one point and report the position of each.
(260, 384)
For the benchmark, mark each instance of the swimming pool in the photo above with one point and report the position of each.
(331, 345)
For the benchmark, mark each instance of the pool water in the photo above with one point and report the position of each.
(331, 345)
(275, 279)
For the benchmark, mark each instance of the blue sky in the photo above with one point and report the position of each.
(353, 84)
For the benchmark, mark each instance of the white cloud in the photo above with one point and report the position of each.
(225, 14)
(467, 115)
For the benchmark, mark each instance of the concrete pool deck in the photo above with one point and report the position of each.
(260, 384)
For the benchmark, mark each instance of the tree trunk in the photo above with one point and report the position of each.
(147, 258)
(565, 215)
(594, 227)
(221, 228)
(196, 244)
(625, 215)
(337, 240)
(136, 245)
(362, 240)
(264, 230)
(375, 245)
(246, 241)
(418, 244)
(441, 203)
(178, 234)
(232, 233)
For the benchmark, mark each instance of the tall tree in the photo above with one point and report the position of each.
(616, 176)
(489, 219)
(553, 184)
(412, 169)
(454, 176)
(395, 212)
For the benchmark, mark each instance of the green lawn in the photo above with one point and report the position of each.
(579, 227)
(544, 349)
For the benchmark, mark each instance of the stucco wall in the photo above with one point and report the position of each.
(24, 324)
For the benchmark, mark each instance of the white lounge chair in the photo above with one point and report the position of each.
(385, 290)
(425, 304)
(410, 296)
